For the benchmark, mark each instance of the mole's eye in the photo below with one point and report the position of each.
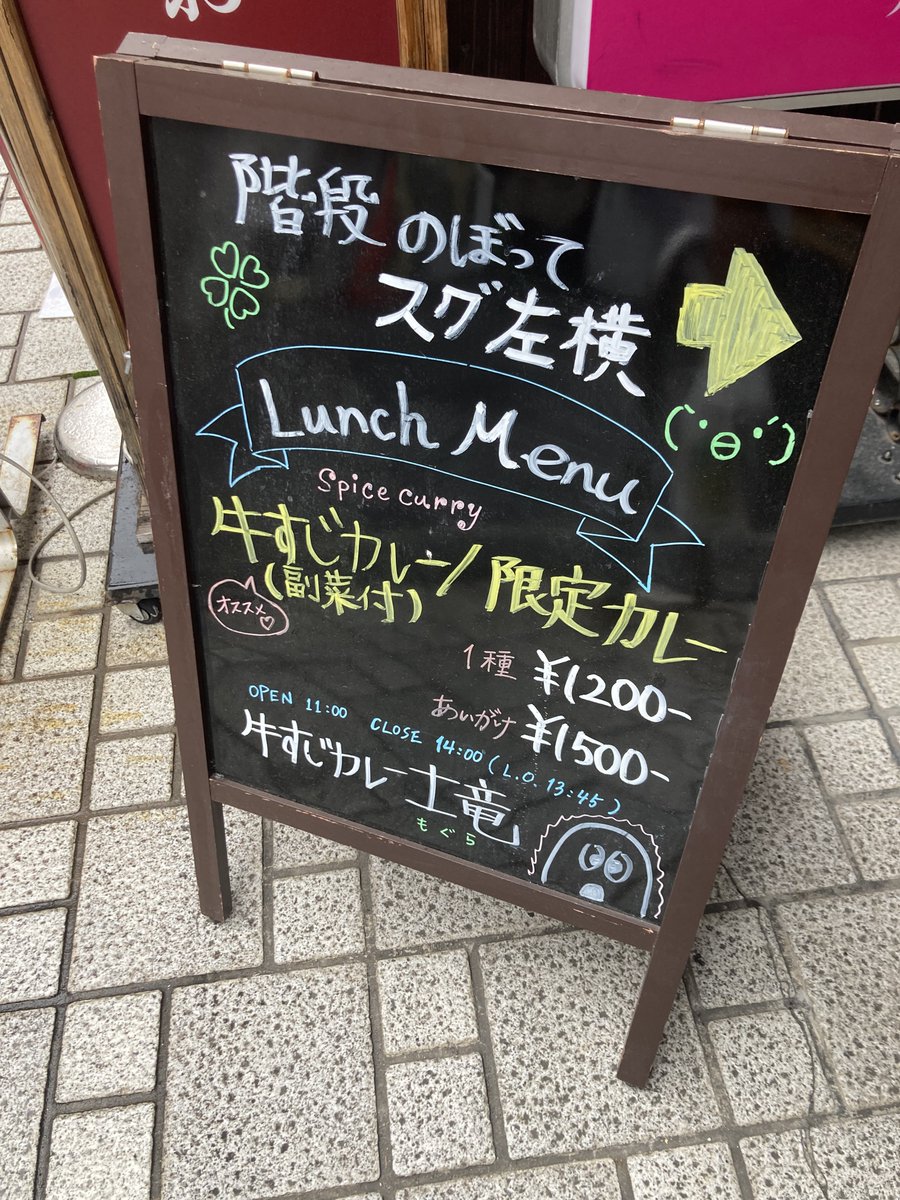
(591, 858)
(618, 867)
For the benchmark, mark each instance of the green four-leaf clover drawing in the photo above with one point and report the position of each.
(232, 287)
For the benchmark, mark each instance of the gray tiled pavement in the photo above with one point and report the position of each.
(357, 1031)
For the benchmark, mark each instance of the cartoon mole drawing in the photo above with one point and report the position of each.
(607, 864)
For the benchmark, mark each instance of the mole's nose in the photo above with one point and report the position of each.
(593, 891)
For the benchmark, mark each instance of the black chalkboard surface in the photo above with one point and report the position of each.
(473, 552)
(491, 445)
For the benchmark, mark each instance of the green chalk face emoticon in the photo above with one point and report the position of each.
(726, 444)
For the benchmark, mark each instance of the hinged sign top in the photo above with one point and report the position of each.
(471, 458)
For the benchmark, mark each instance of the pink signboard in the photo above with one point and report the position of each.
(732, 50)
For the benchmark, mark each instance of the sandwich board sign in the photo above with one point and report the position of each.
(492, 436)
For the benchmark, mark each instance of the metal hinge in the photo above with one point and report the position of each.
(728, 128)
(268, 72)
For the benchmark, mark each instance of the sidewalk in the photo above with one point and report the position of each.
(357, 1030)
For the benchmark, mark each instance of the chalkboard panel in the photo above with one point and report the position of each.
(492, 436)
(480, 473)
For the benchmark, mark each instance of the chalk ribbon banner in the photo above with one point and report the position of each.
(471, 423)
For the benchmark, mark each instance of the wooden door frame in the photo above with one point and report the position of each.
(44, 174)
(422, 33)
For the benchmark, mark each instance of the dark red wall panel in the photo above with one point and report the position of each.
(66, 37)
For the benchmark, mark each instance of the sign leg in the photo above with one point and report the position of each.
(648, 1023)
(210, 856)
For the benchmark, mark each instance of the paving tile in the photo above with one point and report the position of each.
(848, 948)
(818, 679)
(296, 848)
(317, 916)
(438, 1114)
(860, 550)
(120, 1171)
(109, 1047)
(24, 1055)
(43, 732)
(723, 889)
(53, 347)
(414, 909)
(63, 572)
(867, 610)
(880, 665)
(92, 526)
(10, 328)
(13, 626)
(853, 756)
(131, 641)
(859, 1158)
(270, 1086)
(779, 1167)
(784, 838)
(849, 1160)
(138, 914)
(736, 960)
(426, 1001)
(6, 359)
(24, 278)
(559, 1008)
(135, 699)
(14, 212)
(30, 951)
(19, 237)
(37, 863)
(133, 771)
(873, 830)
(61, 645)
(570, 1181)
(17, 399)
(698, 1172)
(770, 1067)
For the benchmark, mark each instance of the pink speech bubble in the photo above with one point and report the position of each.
(239, 608)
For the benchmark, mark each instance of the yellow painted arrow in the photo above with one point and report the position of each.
(742, 323)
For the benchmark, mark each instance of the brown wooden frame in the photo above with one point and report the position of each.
(823, 163)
